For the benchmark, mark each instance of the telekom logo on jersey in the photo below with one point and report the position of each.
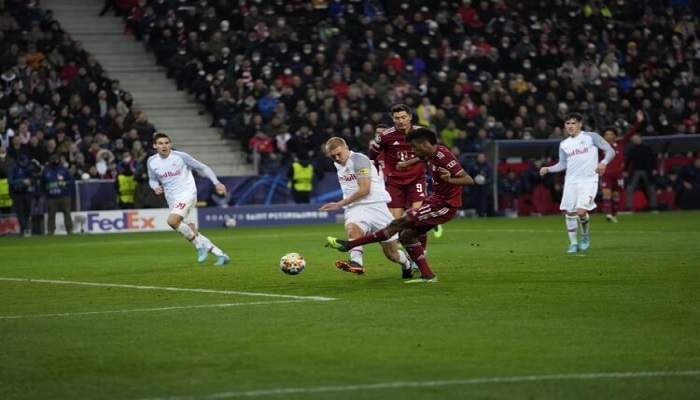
(170, 174)
(575, 152)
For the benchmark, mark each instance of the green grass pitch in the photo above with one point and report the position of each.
(133, 316)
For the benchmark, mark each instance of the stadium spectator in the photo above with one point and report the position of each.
(641, 166)
(586, 63)
(689, 192)
(537, 188)
(6, 199)
(57, 184)
(509, 190)
(667, 187)
(482, 191)
(262, 148)
(144, 128)
(6, 134)
(125, 185)
(106, 7)
(301, 175)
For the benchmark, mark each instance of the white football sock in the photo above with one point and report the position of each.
(209, 245)
(572, 228)
(585, 223)
(403, 260)
(188, 234)
(356, 254)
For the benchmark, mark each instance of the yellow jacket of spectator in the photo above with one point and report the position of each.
(604, 11)
(5, 199)
(127, 186)
(302, 177)
(425, 114)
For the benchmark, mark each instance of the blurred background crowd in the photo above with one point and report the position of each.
(282, 76)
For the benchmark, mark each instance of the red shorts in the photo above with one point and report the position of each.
(431, 214)
(403, 196)
(613, 181)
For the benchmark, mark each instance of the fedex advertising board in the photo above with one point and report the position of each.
(118, 221)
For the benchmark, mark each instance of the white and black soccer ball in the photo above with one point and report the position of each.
(480, 179)
(292, 263)
(230, 222)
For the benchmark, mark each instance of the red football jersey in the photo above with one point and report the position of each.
(447, 192)
(617, 164)
(392, 145)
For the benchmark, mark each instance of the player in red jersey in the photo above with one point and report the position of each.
(406, 185)
(441, 206)
(612, 181)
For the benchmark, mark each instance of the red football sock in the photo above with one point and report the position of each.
(423, 239)
(415, 252)
(378, 236)
(615, 205)
(607, 206)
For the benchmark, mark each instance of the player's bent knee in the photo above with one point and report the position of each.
(408, 236)
(174, 221)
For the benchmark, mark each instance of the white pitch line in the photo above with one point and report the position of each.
(149, 309)
(170, 289)
(427, 384)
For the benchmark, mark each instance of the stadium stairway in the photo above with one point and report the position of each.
(169, 110)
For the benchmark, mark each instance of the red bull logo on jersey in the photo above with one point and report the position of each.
(347, 178)
(576, 152)
(170, 174)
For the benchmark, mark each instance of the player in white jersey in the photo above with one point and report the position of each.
(365, 201)
(578, 155)
(170, 173)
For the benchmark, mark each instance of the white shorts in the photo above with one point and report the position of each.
(183, 207)
(579, 195)
(370, 217)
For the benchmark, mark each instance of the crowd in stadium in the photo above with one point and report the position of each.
(283, 76)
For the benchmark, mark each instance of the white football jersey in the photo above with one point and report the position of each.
(579, 156)
(174, 173)
(357, 167)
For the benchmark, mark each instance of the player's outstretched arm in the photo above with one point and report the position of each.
(404, 165)
(640, 118)
(200, 167)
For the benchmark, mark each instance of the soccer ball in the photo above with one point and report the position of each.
(230, 222)
(292, 263)
(479, 179)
